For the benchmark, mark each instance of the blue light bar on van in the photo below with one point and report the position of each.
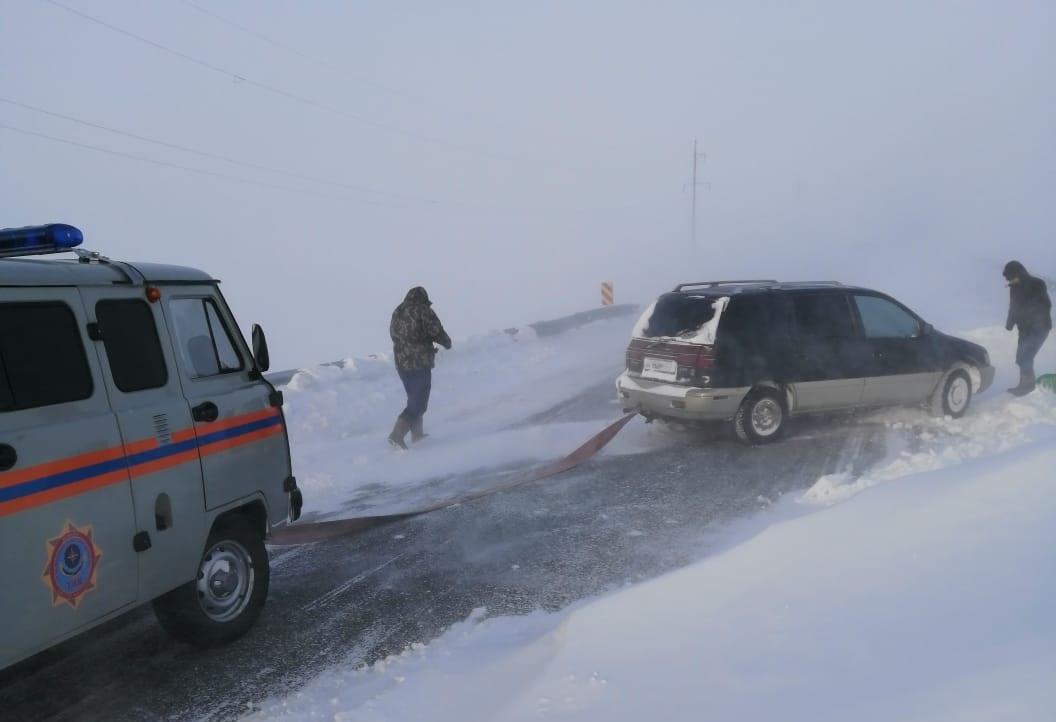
(35, 240)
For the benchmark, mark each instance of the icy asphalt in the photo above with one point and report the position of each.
(356, 600)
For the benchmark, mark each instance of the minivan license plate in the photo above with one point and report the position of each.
(664, 369)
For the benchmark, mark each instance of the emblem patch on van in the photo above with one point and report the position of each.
(73, 559)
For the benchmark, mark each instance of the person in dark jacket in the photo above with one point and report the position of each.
(414, 329)
(1030, 310)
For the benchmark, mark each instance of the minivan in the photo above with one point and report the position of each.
(757, 352)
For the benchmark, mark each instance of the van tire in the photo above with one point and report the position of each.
(761, 417)
(954, 395)
(207, 614)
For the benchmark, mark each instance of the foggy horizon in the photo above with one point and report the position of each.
(320, 160)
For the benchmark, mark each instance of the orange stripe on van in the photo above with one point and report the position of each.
(143, 445)
(211, 426)
(183, 435)
(133, 460)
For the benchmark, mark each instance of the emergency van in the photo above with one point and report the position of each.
(143, 454)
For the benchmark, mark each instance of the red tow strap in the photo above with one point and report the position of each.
(309, 532)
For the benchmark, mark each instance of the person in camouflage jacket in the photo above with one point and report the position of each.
(414, 329)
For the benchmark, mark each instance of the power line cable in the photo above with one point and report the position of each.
(167, 164)
(237, 179)
(214, 156)
(287, 48)
(272, 89)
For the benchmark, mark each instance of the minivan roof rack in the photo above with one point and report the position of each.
(712, 284)
(790, 284)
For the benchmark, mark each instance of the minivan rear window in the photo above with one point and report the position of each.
(680, 314)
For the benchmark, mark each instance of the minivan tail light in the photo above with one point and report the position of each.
(705, 358)
(634, 359)
(704, 366)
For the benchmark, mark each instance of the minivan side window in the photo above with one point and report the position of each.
(823, 315)
(205, 341)
(746, 321)
(42, 359)
(883, 319)
(133, 348)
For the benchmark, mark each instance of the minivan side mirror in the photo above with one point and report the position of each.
(925, 328)
(260, 348)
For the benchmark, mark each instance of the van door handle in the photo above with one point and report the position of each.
(8, 457)
(206, 411)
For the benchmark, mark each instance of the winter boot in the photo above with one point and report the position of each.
(403, 425)
(1026, 385)
(416, 430)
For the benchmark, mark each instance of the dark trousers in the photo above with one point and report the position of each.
(417, 383)
(1027, 348)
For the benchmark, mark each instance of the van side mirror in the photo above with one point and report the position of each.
(260, 349)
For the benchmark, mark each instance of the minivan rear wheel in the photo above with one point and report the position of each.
(761, 417)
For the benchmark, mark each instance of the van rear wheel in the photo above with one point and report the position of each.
(761, 417)
(228, 594)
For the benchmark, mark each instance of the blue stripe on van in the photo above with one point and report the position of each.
(63, 478)
(161, 452)
(234, 431)
(52, 481)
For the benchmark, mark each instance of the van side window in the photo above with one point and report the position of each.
(823, 315)
(883, 319)
(205, 341)
(133, 349)
(42, 359)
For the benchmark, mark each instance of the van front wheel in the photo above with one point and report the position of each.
(226, 597)
(761, 417)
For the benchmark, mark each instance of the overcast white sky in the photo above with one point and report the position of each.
(321, 158)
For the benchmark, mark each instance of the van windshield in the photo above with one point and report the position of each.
(682, 315)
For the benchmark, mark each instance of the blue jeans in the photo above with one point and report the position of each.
(417, 383)
(1027, 348)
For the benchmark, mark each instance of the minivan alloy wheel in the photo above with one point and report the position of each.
(766, 416)
(761, 417)
(956, 394)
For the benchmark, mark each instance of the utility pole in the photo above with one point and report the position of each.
(693, 217)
